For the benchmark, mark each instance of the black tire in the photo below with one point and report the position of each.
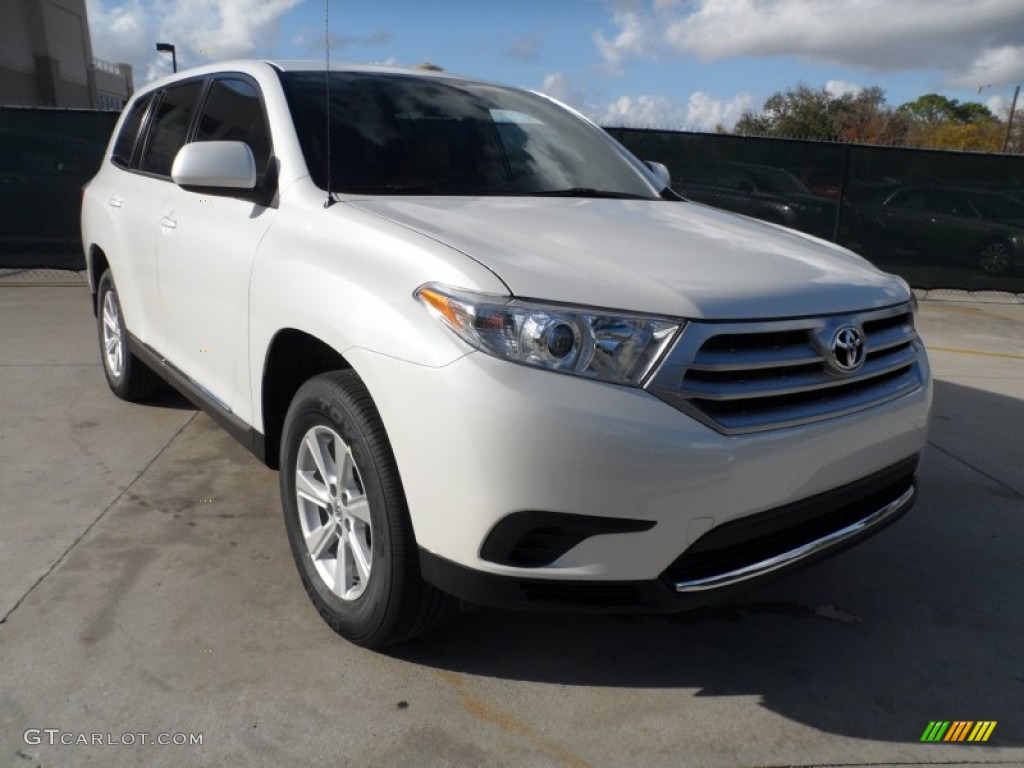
(132, 380)
(392, 603)
(994, 257)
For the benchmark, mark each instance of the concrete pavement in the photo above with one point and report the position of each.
(146, 587)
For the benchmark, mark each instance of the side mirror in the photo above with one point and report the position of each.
(215, 165)
(660, 172)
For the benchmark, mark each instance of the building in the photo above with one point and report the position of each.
(114, 84)
(46, 58)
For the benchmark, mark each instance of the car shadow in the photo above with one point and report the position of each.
(922, 622)
(171, 399)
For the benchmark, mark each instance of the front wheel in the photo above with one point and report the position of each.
(346, 517)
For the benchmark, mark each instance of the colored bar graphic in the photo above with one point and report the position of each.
(958, 730)
(935, 730)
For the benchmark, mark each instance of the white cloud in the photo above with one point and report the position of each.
(965, 39)
(557, 86)
(705, 113)
(837, 88)
(645, 111)
(702, 112)
(998, 106)
(995, 66)
(633, 38)
(201, 31)
(524, 47)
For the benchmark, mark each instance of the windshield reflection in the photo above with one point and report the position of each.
(405, 134)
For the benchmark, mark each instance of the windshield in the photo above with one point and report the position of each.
(394, 134)
(999, 207)
(778, 180)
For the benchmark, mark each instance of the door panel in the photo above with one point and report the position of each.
(137, 203)
(135, 206)
(205, 250)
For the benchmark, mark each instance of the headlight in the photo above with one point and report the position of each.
(618, 348)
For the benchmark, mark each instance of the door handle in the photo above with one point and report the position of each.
(167, 221)
(114, 202)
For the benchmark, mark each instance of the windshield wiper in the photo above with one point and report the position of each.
(587, 192)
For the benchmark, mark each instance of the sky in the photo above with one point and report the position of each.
(691, 64)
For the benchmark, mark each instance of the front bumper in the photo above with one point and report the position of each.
(719, 564)
(481, 439)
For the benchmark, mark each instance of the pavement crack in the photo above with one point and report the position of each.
(98, 517)
(1017, 494)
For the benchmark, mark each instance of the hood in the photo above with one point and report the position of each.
(680, 259)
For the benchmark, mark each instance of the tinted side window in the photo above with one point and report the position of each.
(945, 203)
(913, 199)
(125, 144)
(233, 112)
(169, 127)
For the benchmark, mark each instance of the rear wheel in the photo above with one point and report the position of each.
(346, 517)
(994, 257)
(129, 378)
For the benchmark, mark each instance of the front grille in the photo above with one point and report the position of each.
(755, 376)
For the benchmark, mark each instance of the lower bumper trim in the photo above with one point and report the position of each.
(812, 549)
(727, 560)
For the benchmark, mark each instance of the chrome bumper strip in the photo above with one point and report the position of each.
(818, 546)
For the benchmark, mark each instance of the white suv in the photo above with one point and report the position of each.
(493, 356)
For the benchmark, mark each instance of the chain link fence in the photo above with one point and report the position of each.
(940, 219)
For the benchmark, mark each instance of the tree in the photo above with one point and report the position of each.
(938, 122)
(931, 121)
(866, 118)
(971, 112)
(930, 109)
(753, 124)
(805, 112)
(801, 112)
(933, 108)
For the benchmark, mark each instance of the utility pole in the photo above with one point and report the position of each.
(1009, 119)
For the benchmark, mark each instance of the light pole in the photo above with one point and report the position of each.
(169, 48)
(1009, 119)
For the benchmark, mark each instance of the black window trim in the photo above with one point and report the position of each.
(245, 78)
(264, 195)
(140, 132)
(143, 143)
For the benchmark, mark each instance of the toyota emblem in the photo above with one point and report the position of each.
(848, 350)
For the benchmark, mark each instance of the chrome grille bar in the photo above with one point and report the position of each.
(755, 376)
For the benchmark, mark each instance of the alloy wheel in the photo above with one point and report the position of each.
(334, 513)
(994, 258)
(113, 341)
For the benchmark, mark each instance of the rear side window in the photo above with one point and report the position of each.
(170, 123)
(233, 112)
(124, 147)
